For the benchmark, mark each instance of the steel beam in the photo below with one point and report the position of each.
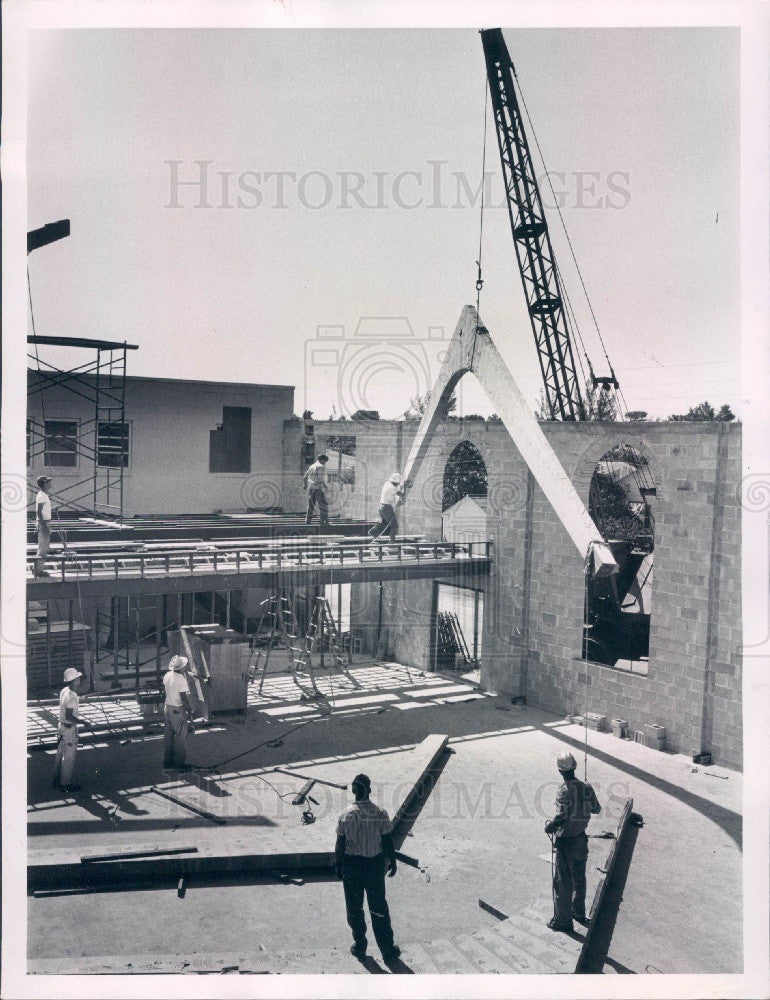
(407, 569)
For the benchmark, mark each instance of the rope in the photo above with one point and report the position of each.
(586, 571)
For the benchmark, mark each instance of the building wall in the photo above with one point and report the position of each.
(534, 594)
(169, 463)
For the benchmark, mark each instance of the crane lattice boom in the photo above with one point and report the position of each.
(531, 238)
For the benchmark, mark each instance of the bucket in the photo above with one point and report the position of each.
(619, 727)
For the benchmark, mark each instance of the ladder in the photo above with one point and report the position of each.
(301, 648)
(283, 624)
(323, 620)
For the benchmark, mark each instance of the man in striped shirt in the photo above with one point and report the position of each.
(364, 844)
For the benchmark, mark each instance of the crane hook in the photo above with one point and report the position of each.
(479, 279)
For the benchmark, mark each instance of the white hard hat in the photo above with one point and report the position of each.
(566, 762)
(395, 478)
(177, 663)
(70, 674)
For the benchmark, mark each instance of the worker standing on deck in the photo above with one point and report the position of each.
(391, 496)
(364, 847)
(314, 481)
(69, 717)
(43, 521)
(177, 714)
(576, 802)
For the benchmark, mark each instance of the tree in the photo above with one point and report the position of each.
(725, 413)
(600, 403)
(705, 411)
(543, 412)
(366, 415)
(637, 414)
(419, 404)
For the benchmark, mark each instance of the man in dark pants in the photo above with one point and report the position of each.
(392, 494)
(576, 802)
(364, 843)
(314, 481)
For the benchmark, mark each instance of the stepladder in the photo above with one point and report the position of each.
(315, 653)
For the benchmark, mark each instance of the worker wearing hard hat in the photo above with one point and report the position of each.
(576, 802)
(69, 717)
(177, 714)
(391, 496)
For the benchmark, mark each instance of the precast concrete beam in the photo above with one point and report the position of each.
(472, 349)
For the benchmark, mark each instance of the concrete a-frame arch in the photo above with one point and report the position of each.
(471, 349)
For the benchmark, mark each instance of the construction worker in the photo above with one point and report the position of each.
(364, 846)
(314, 481)
(69, 717)
(43, 522)
(177, 714)
(576, 802)
(391, 496)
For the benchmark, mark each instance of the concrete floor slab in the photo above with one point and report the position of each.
(479, 834)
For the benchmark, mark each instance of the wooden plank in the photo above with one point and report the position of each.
(188, 805)
(150, 853)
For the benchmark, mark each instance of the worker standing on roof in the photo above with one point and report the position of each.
(177, 714)
(314, 481)
(43, 521)
(391, 496)
(69, 717)
(364, 846)
(576, 802)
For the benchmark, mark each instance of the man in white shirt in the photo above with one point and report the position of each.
(43, 519)
(391, 496)
(364, 844)
(177, 714)
(69, 716)
(314, 481)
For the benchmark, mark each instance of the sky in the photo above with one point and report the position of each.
(339, 204)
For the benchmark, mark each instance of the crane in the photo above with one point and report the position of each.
(628, 526)
(534, 251)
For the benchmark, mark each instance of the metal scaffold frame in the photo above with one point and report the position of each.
(99, 382)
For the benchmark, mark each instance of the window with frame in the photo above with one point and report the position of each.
(60, 443)
(113, 444)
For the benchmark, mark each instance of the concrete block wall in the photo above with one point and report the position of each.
(534, 595)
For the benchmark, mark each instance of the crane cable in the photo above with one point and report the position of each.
(479, 279)
(564, 227)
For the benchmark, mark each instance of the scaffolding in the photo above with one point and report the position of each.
(88, 453)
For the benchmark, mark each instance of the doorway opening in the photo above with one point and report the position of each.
(457, 628)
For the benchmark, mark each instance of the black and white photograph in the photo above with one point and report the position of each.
(385, 499)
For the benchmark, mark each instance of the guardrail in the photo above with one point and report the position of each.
(207, 559)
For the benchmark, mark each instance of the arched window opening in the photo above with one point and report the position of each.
(465, 475)
(618, 608)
